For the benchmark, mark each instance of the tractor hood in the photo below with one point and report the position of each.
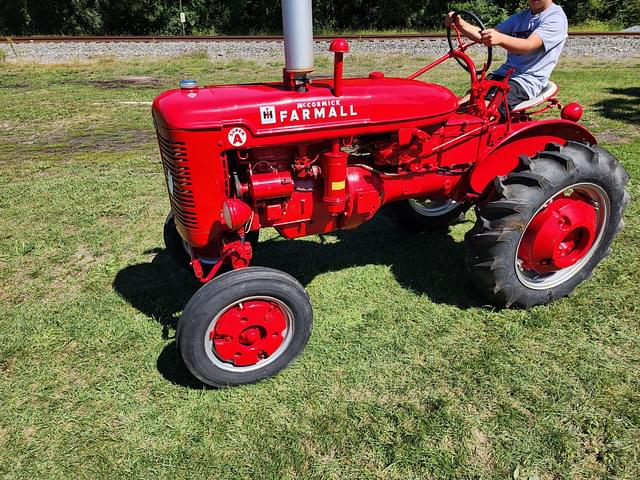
(269, 109)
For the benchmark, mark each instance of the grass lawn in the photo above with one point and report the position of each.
(408, 374)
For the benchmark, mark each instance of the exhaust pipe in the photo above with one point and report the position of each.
(297, 26)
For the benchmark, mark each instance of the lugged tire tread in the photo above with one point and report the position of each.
(527, 178)
(516, 198)
(565, 160)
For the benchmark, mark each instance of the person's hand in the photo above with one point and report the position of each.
(452, 18)
(491, 37)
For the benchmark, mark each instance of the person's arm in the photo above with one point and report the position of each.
(492, 37)
(548, 35)
(468, 30)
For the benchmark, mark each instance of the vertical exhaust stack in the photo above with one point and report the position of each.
(297, 26)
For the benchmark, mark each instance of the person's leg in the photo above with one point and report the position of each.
(515, 97)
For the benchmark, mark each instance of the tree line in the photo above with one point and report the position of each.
(213, 17)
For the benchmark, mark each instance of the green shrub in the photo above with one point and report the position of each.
(153, 17)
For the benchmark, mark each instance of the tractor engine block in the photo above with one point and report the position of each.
(305, 189)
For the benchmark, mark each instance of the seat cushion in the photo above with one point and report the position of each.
(547, 92)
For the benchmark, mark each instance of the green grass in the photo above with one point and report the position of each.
(596, 26)
(407, 375)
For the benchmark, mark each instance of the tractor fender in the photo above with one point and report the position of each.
(503, 157)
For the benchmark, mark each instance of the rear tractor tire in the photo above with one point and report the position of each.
(547, 224)
(244, 326)
(424, 215)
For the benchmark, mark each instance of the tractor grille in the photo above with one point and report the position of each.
(175, 161)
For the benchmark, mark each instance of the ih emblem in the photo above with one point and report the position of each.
(237, 136)
(268, 115)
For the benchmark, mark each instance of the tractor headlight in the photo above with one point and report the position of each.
(236, 213)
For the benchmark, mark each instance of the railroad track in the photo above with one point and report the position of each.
(257, 38)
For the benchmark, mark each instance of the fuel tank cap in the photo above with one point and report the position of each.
(376, 75)
(188, 84)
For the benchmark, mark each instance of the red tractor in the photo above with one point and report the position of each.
(313, 156)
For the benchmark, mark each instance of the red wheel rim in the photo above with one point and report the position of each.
(249, 333)
(562, 236)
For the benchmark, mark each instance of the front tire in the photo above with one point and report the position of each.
(547, 225)
(244, 326)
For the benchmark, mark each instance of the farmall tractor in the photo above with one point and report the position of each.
(310, 156)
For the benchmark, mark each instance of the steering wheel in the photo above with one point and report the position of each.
(475, 20)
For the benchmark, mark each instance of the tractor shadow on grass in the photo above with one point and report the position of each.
(158, 289)
(624, 106)
(430, 264)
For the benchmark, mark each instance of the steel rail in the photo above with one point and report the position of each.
(255, 38)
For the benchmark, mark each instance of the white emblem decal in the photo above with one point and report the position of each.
(237, 136)
(314, 110)
(268, 115)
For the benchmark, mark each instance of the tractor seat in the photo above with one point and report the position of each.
(548, 92)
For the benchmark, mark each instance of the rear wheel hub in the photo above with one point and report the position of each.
(559, 236)
(562, 236)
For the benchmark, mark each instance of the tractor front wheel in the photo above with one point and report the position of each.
(547, 225)
(244, 326)
(418, 216)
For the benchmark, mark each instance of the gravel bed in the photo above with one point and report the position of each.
(604, 48)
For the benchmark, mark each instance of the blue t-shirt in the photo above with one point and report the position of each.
(532, 70)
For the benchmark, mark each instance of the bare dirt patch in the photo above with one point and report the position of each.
(90, 141)
(5, 366)
(4, 435)
(83, 256)
(129, 81)
(109, 142)
(28, 434)
(82, 260)
(71, 275)
(481, 448)
(611, 137)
